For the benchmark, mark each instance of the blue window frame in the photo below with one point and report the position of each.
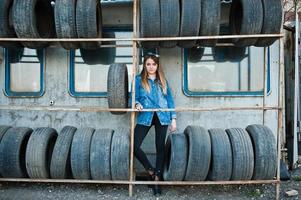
(213, 77)
(24, 72)
(90, 80)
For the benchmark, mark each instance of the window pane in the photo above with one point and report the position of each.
(25, 74)
(90, 78)
(93, 78)
(221, 71)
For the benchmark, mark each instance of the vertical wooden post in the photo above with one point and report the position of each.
(135, 65)
(280, 113)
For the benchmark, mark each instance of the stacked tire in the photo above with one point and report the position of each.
(251, 17)
(12, 151)
(78, 19)
(33, 19)
(101, 154)
(26, 152)
(158, 18)
(248, 17)
(40, 19)
(181, 18)
(83, 153)
(104, 154)
(221, 155)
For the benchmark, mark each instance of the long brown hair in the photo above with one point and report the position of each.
(159, 75)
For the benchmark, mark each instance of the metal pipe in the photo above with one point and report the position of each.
(264, 84)
(130, 45)
(97, 109)
(116, 45)
(141, 39)
(224, 45)
(138, 182)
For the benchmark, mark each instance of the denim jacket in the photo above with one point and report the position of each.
(155, 99)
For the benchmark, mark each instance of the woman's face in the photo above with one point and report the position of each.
(151, 66)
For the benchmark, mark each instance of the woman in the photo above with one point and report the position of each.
(152, 91)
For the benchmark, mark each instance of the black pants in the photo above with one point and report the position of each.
(140, 133)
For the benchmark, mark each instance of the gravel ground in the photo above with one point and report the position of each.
(29, 191)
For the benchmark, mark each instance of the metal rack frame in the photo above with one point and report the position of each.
(131, 182)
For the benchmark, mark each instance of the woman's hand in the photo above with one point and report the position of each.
(173, 126)
(139, 106)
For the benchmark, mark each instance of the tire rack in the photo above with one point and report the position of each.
(135, 40)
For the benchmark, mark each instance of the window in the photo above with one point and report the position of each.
(24, 72)
(225, 71)
(89, 68)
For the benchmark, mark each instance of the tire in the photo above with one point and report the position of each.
(220, 53)
(65, 24)
(40, 53)
(6, 28)
(190, 21)
(221, 152)
(12, 152)
(199, 153)
(118, 87)
(105, 56)
(3, 130)
(195, 54)
(236, 54)
(232, 54)
(33, 19)
(149, 22)
(39, 152)
(242, 154)
(89, 22)
(80, 153)
(265, 150)
(176, 151)
(170, 21)
(210, 21)
(120, 154)
(60, 166)
(272, 21)
(14, 54)
(100, 154)
(245, 18)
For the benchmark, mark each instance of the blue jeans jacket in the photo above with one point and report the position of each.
(155, 99)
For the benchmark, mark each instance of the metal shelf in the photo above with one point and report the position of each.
(135, 39)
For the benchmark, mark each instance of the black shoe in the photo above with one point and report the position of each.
(150, 178)
(157, 190)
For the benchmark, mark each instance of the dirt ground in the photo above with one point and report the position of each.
(45, 191)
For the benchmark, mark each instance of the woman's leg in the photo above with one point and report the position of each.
(161, 131)
(139, 134)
